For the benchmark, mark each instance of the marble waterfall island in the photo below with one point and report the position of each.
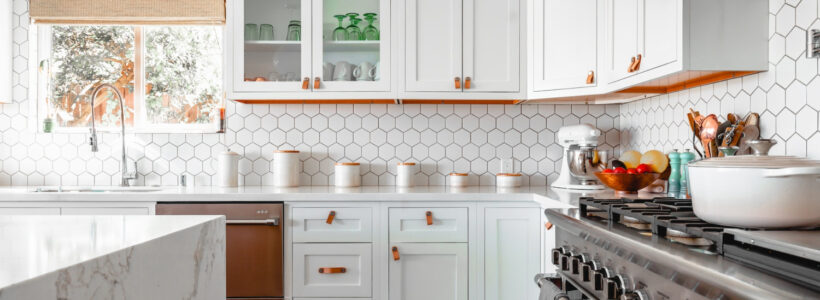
(112, 257)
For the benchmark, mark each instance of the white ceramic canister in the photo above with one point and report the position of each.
(405, 174)
(228, 169)
(458, 180)
(286, 168)
(347, 174)
(507, 180)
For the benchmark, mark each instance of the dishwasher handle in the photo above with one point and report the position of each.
(269, 222)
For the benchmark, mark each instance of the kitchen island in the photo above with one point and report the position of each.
(112, 257)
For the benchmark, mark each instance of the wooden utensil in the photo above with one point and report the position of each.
(708, 133)
(695, 132)
(722, 129)
(732, 118)
(731, 137)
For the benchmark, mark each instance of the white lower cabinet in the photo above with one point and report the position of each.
(77, 208)
(332, 270)
(511, 252)
(29, 210)
(429, 271)
(454, 250)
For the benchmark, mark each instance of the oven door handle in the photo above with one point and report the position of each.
(270, 222)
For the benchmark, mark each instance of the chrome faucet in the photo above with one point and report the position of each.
(126, 176)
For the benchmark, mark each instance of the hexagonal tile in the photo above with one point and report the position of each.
(796, 43)
(785, 20)
(813, 147)
(806, 122)
(796, 146)
(796, 96)
(776, 99)
(806, 69)
(777, 48)
(785, 72)
(785, 124)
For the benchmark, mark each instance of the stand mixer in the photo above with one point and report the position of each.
(581, 158)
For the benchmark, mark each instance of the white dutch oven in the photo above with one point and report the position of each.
(756, 191)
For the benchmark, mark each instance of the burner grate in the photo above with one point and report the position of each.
(661, 214)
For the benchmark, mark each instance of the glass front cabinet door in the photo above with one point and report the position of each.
(271, 49)
(351, 45)
(309, 48)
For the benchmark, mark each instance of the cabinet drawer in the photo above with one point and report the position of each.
(309, 280)
(409, 225)
(349, 224)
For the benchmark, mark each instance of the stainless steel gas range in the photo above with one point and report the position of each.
(658, 249)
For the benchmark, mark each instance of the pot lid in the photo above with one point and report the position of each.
(749, 161)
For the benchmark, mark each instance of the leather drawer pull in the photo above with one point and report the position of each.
(458, 82)
(330, 217)
(395, 253)
(638, 63)
(429, 215)
(591, 77)
(467, 83)
(632, 65)
(305, 83)
(548, 225)
(332, 270)
(316, 82)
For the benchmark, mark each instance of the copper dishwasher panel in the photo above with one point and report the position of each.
(254, 252)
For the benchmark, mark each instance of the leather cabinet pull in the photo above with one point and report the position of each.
(467, 83)
(458, 82)
(335, 270)
(305, 83)
(330, 217)
(395, 253)
(591, 77)
(316, 83)
(429, 216)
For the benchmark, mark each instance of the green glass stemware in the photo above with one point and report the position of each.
(354, 33)
(340, 34)
(371, 33)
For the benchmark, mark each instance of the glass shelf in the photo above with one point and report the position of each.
(273, 45)
(339, 46)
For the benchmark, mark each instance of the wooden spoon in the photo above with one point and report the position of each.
(708, 133)
(752, 119)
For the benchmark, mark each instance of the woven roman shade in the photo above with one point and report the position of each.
(184, 12)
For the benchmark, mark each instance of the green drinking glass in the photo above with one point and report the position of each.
(371, 33)
(340, 34)
(354, 33)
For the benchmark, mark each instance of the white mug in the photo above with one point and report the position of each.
(327, 71)
(343, 71)
(377, 72)
(364, 72)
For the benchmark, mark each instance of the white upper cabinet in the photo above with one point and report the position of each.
(433, 40)
(565, 35)
(357, 60)
(264, 58)
(663, 43)
(491, 45)
(462, 49)
(309, 49)
(659, 33)
(622, 47)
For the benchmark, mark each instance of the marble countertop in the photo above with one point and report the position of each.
(33, 246)
(545, 195)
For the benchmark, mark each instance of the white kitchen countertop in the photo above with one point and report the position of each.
(49, 246)
(542, 194)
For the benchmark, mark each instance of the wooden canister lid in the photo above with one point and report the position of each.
(406, 164)
(286, 151)
(508, 174)
(347, 164)
(458, 174)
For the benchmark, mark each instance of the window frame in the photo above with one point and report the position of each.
(41, 48)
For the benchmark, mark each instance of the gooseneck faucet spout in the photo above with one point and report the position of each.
(126, 176)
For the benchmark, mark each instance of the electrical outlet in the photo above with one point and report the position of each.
(813, 43)
(507, 165)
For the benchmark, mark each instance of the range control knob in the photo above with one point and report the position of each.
(615, 287)
(635, 295)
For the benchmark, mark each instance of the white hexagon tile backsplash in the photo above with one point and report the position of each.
(443, 138)
(787, 97)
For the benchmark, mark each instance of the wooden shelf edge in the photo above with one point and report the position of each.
(316, 101)
(691, 83)
(454, 101)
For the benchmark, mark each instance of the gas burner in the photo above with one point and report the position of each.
(635, 223)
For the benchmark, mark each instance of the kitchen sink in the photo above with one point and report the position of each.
(97, 189)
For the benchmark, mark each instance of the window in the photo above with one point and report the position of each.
(170, 77)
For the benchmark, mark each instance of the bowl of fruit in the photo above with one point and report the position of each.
(633, 171)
